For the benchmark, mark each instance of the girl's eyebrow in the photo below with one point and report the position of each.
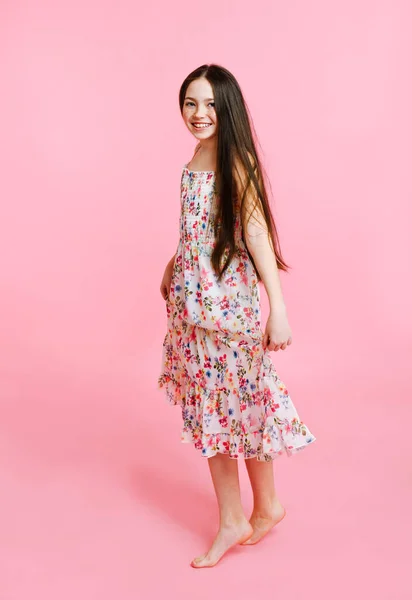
(190, 98)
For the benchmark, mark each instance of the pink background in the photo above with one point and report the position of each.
(99, 497)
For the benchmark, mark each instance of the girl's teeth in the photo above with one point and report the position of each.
(201, 126)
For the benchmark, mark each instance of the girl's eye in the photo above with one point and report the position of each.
(188, 103)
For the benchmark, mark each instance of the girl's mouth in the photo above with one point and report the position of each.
(201, 125)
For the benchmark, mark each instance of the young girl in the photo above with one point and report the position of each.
(216, 363)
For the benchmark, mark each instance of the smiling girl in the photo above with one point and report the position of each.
(216, 364)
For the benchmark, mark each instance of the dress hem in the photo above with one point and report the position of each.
(265, 444)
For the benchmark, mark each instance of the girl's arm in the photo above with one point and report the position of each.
(277, 334)
(259, 245)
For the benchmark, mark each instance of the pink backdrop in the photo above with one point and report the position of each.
(99, 498)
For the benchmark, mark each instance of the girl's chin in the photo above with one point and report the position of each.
(203, 134)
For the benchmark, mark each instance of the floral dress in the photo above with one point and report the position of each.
(213, 362)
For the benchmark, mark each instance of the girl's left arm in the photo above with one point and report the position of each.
(277, 334)
(260, 247)
(259, 243)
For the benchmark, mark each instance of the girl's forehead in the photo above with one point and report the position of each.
(200, 88)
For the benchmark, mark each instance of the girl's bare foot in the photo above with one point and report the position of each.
(263, 521)
(227, 536)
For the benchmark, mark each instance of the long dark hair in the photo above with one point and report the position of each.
(235, 142)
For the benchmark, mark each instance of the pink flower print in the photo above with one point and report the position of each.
(187, 353)
(224, 304)
(223, 421)
(205, 282)
(252, 420)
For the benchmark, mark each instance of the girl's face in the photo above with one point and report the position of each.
(199, 109)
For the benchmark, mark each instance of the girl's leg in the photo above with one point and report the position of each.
(267, 509)
(234, 528)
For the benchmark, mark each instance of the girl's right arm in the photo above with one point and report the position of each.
(171, 261)
(167, 277)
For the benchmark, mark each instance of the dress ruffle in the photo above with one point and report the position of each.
(268, 425)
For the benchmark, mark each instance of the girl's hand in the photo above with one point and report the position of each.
(166, 281)
(277, 333)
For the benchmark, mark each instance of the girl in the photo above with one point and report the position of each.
(216, 363)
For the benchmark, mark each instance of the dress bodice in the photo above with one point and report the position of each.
(199, 202)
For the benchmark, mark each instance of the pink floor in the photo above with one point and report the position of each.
(100, 499)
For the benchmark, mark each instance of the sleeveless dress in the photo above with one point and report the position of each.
(213, 363)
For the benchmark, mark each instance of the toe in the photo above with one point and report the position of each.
(198, 559)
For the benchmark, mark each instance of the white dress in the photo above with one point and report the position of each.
(213, 363)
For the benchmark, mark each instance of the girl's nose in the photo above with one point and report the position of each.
(201, 114)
